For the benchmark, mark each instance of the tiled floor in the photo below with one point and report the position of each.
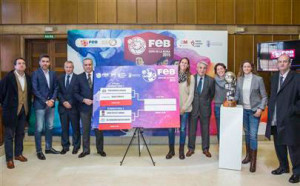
(69, 170)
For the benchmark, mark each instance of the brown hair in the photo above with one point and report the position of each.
(241, 72)
(15, 61)
(187, 70)
(219, 64)
(43, 56)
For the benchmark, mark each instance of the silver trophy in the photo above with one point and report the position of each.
(230, 86)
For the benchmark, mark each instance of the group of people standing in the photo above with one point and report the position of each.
(75, 95)
(198, 91)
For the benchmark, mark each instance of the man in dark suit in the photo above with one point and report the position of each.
(84, 95)
(67, 108)
(203, 94)
(15, 98)
(284, 117)
(44, 88)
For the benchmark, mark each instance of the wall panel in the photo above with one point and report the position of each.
(187, 11)
(206, 12)
(107, 11)
(244, 10)
(243, 49)
(282, 11)
(166, 11)
(147, 11)
(263, 11)
(295, 12)
(225, 12)
(126, 11)
(63, 12)
(11, 11)
(87, 11)
(35, 11)
(10, 49)
(230, 58)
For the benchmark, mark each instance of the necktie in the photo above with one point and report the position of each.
(281, 81)
(68, 82)
(90, 81)
(199, 88)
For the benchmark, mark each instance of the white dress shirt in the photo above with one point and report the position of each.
(47, 77)
(66, 78)
(198, 80)
(87, 76)
(21, 79)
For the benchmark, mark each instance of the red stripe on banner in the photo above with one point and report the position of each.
(114, 126)
(115, 103)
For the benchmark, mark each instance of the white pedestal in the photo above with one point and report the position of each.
(231, 137)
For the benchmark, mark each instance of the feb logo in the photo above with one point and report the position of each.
(150, 47)
(136, 45)
(98, 75)
(84, 43)
(149, 75)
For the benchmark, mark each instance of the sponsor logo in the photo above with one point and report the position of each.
(148, 48)
(98, 42)
(276, 53)
(149, 75)
(136, 45)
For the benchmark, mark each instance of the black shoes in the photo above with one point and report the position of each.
(280, 171)
(52, 151)
(64, 151)
(171, 152)
(102, 153)
(294, 178)
(75, 150)
(81, 155)
(41, 156)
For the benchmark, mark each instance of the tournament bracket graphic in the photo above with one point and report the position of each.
(136, 96)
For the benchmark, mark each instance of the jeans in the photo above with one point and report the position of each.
(251, 128)
(183, 123)
(44, 116)
(217, 115)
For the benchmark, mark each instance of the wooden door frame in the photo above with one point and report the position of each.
(23, 39)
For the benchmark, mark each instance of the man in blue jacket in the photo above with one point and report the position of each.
(44, 89)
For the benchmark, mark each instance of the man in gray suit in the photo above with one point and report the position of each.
(203, 95)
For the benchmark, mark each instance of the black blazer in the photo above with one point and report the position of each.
(82, 90)
(287, 100)
(9, 98)
(202, 103)
(67, 94)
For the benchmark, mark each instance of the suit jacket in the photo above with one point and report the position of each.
(83, 91)
(258, 95)
(9, 98)
(68, 95)
(40, 88)
(202, 103)
(287, 100)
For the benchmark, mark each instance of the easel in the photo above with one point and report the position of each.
(139, 132)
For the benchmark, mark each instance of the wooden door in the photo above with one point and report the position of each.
(56, 49)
